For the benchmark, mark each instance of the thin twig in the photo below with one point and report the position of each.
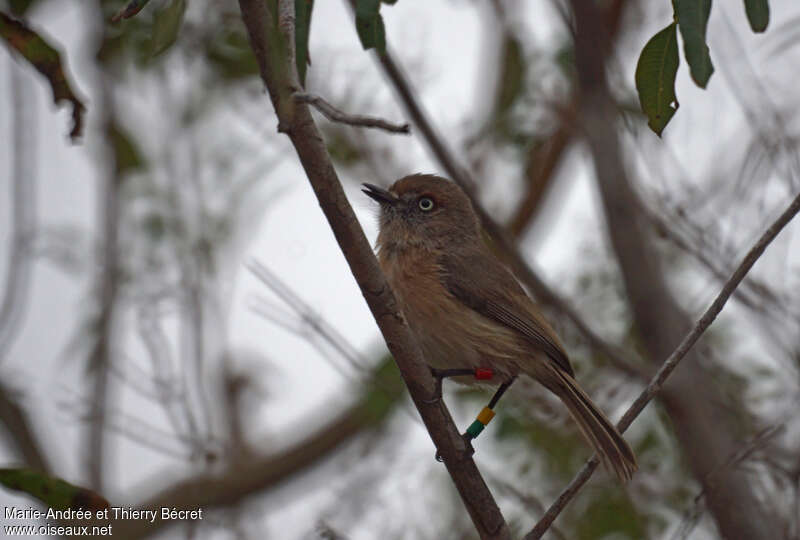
(168, 387)
(666, 368)
(309, 318)
(305, 322)
(335, 115)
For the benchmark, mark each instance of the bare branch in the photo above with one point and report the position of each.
(335, 115)
(310, 320)
(286, 27)
(296, 121)
(107, 295)
(168, 387)
(22, 215)
(670, 363)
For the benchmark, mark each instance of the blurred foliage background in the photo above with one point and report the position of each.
(177, 326)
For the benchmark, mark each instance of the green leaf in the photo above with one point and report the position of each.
(53, 492)
(692, 17)
(47, 61)
(166, 25)
(126, 154)
(302, 15)
(512, 76)
(369, 25)
(757, 14)
(655, 78)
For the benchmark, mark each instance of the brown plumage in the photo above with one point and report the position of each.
(467, 310)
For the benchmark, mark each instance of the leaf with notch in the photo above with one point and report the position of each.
(655, 78)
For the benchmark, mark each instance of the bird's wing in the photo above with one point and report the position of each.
(483, 284)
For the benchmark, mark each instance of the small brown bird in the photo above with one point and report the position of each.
(468, 312)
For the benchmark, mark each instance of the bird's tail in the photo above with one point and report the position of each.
(614, 452)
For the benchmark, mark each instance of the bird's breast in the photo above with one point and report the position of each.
(450, 334)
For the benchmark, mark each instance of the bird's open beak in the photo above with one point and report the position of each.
(381, 195)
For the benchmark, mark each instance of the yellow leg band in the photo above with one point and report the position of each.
(485, 416)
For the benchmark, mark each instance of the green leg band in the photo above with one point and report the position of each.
(475, 429)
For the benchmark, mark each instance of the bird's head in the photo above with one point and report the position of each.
(423, 211)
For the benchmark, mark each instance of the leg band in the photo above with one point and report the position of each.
(481, 422)
(486, 416)
(475, 429)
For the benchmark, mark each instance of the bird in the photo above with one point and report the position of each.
(470, 316)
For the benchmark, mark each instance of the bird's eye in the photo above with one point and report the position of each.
(426, 204)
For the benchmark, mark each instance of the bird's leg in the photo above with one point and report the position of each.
(441, 374)
(485, 415)
(500, 391)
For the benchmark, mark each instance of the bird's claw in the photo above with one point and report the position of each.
(437, 389)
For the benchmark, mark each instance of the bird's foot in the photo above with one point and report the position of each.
(469, 450)
(438, 377)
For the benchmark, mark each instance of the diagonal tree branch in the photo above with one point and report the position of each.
(671, 363)
(272, 49)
